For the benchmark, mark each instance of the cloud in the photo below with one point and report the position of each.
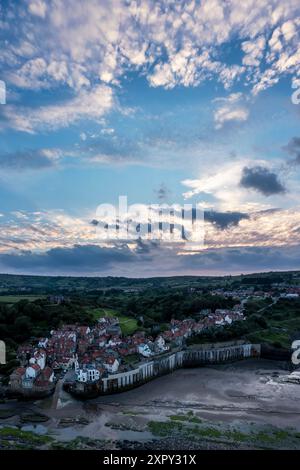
(220, 182)
(41, 231)
(261, 179)
(170, 43)
(231, 108)
(55, 242)
(73, 259)
(38, 8)
(150, 259)
(254, 51)
(29, 159)
(86, 105)
(242, 260)
(283, 53)
(224, 220)
(293, 148)
(38, 73)
(220, 187)
(272, 227)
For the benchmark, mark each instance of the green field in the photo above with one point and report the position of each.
(12, 299)
(128, 325)
(271, 337)
(283, 321)
(278, 332)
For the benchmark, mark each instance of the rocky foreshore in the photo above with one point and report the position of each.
(175, 443)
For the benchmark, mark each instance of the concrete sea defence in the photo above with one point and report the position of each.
(193, 356)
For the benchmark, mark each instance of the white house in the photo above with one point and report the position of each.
(32, 371)
(40, 358)
(144, 350)
(114, 341)
(160, 344)
(228, 319)
(43, 342)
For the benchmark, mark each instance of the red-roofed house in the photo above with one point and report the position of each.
(111, 364)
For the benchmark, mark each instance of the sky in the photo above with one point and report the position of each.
(165, 102)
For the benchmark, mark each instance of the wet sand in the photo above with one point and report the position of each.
(246, 392)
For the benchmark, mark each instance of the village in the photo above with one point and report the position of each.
(86, 354)
(276, 291)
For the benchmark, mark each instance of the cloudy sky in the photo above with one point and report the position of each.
(176, 102)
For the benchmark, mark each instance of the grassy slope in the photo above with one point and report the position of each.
(283, 322)
(128, 325)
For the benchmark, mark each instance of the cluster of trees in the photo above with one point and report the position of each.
(163, 304)
(24, 319)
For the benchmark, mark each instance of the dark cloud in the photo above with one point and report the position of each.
(150, 259)
(223, 220)
(94, 222)
(79, 257)
(29, 159)
(261, 179)
(147, 247)
(242, 260)
(293, 148)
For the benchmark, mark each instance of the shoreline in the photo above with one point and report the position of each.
(193, 356)
(241, 398)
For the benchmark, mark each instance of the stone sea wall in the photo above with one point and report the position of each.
(166, 363)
